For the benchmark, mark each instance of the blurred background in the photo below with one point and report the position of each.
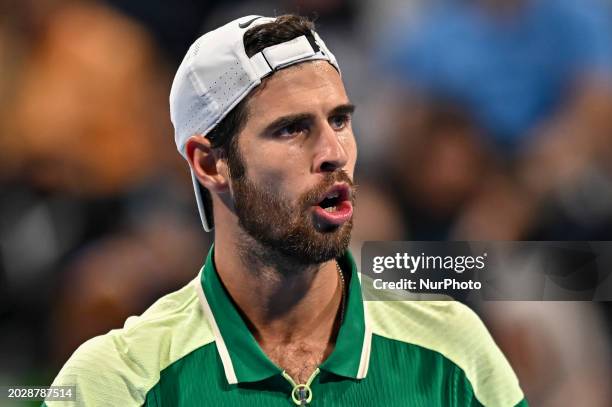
(476, 120)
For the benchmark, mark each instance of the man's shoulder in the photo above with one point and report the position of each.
(121, 366)
(393, 317)
(455, 331)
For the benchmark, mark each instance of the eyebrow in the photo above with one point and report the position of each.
(347, 108)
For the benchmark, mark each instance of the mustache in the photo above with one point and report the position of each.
(313, 196)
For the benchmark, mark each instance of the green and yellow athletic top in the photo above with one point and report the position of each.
(192, 348)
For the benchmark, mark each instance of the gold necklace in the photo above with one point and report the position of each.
(343, 301)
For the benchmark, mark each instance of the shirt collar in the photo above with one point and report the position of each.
(243, 359)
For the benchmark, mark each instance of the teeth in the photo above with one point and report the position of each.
(330, 209)
(333, 195)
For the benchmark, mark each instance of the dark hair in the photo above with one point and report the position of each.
(284, 28)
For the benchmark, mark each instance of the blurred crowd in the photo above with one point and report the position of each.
(476, 120)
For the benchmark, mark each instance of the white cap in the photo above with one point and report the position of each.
(216, 74)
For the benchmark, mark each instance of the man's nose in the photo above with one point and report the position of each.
(330, 152)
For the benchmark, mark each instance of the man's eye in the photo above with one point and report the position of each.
(339, 122)
(291, 130)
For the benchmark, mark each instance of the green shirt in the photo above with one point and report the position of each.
(192, 348)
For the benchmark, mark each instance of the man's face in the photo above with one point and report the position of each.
(291, 176)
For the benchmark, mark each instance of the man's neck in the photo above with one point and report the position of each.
(292, 309)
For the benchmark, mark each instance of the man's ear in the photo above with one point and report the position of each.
(207, 167)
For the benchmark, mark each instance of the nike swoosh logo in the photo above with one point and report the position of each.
(247, 23)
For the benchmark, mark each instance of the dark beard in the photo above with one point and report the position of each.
(288, 229)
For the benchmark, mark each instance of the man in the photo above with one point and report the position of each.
(276, 315)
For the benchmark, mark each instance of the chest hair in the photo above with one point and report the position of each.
(299, 360)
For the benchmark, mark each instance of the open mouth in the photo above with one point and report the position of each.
(333, 199)
(335, 206)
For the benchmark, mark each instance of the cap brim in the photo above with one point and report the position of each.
(204, 204)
